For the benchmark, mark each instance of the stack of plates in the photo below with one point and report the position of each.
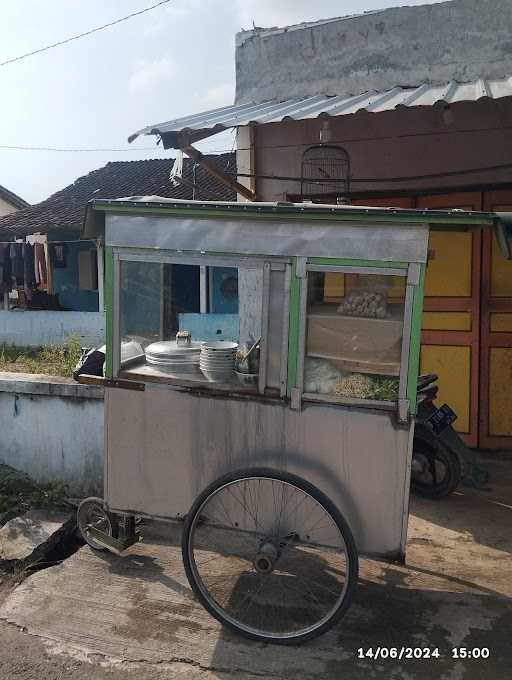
(174, 358)
(217, 360)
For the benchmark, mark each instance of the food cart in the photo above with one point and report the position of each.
(260, 388)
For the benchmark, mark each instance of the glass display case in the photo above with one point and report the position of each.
(194, 322)
(354, 334)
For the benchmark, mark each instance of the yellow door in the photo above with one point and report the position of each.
(451, 320)
(496, 350)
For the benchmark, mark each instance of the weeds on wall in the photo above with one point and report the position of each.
(19, 493)
(58, 360)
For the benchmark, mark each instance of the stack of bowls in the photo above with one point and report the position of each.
(217, 360)
(172, 358)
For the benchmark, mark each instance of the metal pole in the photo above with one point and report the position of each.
(101, 275)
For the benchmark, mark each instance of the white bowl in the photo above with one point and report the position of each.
(220, 345)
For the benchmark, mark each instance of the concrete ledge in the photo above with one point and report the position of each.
(48, 385)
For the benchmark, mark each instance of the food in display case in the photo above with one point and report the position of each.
(354, 335)
(365, 304)
(355, 385)
(322, 377)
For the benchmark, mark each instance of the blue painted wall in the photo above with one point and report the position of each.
(65, 280)
(220, 303)
(211, 326)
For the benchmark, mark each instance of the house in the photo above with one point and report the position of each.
(10, 202)
(71, 288)
(406, 107)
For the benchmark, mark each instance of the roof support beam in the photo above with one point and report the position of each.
(197, 156)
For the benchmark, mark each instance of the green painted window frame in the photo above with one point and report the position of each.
(109, 310)
(294, 317)
(416, 318)
(293, 328)
(415, 345)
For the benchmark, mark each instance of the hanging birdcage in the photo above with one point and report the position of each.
(325, 172)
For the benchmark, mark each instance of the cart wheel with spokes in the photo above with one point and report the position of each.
(92, 513)
(270, 556)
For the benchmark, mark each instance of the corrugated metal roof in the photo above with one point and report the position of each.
(210, 122)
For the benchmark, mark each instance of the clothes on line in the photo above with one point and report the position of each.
(6, 273)
(17, 262)
(85, 240)
(22, 265)
(40, 264)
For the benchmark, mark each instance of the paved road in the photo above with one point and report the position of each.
(99, 617)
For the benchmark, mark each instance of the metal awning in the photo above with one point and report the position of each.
(94, 222)
(182, 132)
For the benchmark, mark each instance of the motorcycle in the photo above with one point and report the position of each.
(441, 461)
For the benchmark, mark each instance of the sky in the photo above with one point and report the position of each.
(94, 92)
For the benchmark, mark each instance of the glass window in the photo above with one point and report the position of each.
(191, 322)
(354, 335)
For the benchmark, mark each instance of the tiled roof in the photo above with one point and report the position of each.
(12, 198)
(64, 210)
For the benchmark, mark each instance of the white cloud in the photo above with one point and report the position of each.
(217, 95)
(170, 15)
(149, 75)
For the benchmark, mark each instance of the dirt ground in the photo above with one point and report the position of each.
(455, 592)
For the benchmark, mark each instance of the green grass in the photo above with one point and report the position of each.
(56, 360)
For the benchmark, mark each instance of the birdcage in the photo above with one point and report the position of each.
(325, 172)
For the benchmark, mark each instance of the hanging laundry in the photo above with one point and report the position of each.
(29, 271)
(5, 260)
(40, 264)
(18, 266)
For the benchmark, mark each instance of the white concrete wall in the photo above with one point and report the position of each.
(35, 328)
(53, 430)
(6, 208)
(461, 40)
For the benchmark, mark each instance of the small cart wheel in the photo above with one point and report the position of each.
(270, 556)
(92, 513)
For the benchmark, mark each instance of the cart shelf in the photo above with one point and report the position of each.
(356, 344)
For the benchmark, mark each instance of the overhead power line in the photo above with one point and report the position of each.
(58, 149)
(383, 180)
(84, 34)
(76, 150)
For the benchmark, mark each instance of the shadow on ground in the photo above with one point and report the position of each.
(454, 592)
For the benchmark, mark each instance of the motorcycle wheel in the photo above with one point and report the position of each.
(435, 471)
